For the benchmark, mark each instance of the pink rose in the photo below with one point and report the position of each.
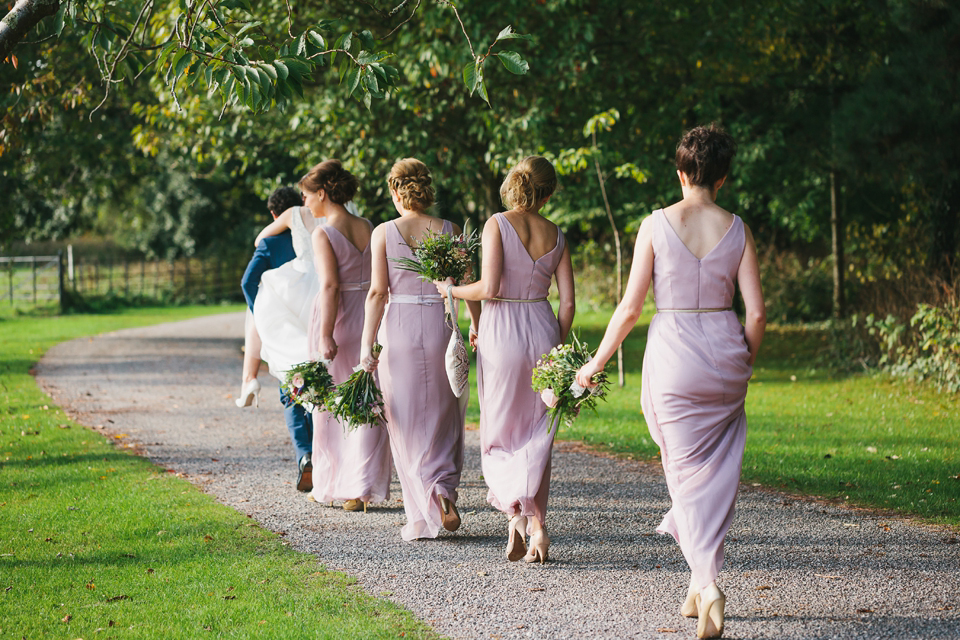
(549, 398)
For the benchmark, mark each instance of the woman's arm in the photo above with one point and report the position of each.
(630, 307)
(565, 289)
(328, 272)
(748, 276)
(376, 297)
(278, 226)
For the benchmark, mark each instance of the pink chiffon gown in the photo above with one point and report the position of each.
(351, 465)
(695, 373)
(517, 327)
(424, 418)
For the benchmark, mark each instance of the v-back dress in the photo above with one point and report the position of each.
(517, 327)
(282, 308)
(424, 418)
(695, 373)
(351, 465)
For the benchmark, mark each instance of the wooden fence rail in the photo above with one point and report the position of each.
(28, 281)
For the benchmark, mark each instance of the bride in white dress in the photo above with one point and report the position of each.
(282, 308)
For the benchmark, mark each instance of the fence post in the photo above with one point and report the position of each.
(60, 288)
(11, 282)
(70, 262)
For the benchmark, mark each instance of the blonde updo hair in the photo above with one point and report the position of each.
(330, 177)
(411, 179)
(529, 183)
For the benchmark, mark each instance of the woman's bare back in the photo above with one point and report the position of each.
(699, 226)
(537, 234)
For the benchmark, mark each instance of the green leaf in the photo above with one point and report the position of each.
(58, 20)
(367, 99)
(366, 39)
(509, 34)
(269, 70)
(470, 76)
(482, 90)
(347, 40)
(345, 65)
(247, 27)
(246, 42)
(316, 39)
(513, 62)
(180, 62)
(370, 82)
(302, 45)
(281, 68)
(353, 81)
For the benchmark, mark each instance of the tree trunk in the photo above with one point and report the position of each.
(21, 19)
(836, 232)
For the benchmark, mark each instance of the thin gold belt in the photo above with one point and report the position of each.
(694, 310)
(519, 300)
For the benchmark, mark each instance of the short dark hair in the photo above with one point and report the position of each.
(705, 154)
(284, 198)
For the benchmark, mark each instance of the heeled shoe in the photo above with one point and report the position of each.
(355, 505)
(451, 517)
(691, 606)
(516, 538)
(249, 394)
(710, 622)
(539, 544)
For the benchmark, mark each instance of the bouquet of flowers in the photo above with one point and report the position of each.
(555, 378)
(358, 400)
(439, 256)
(309, 384)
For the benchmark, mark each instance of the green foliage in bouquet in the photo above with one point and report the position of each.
(357, 401)
(439, 256)
(555, 378)
(309, 384)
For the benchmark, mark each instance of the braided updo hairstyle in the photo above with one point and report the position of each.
(411, 179)
(330, 177)
(529, 183)
(705, 154)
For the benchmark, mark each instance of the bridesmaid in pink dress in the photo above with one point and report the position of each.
(424, 418)
(698, 358)
(522, 252)
(350, 466)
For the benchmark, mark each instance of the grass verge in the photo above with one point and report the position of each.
(866, 440)
(95, 540)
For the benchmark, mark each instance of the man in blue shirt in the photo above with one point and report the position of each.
(272, 252)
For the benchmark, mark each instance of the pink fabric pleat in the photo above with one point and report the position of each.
(351, 465)
(424, 418)
(695, 373)
(515, 444)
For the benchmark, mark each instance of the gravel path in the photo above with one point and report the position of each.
(794, 569)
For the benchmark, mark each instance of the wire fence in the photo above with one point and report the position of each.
(31, 281)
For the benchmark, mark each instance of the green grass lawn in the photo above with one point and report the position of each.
(96, 542)
(865, 440)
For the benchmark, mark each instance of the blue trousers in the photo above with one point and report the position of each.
(299, 423)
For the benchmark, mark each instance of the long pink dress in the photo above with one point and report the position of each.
(514, 441)
(347, 465)
(695, 373)
(424, 418)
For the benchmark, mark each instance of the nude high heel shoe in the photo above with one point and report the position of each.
(712, 603)
(691, 606)
(451, 517)
(539, 544)
(516, 538)
(249, 394)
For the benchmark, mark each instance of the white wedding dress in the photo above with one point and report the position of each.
(282, 308)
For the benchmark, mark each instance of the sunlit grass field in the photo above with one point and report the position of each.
(866, 440)
(97, 542)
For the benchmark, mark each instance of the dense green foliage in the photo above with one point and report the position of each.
(74, 563)
(862, 94)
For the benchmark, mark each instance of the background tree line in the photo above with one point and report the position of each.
(847, 113)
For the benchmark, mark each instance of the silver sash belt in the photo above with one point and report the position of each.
(355, 286)
(694, 310)
(404, 298)
(519, 300)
